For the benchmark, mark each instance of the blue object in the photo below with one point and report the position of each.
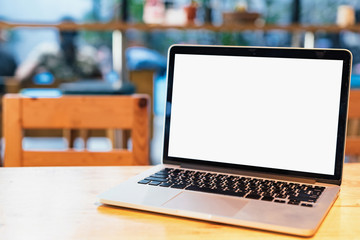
(355, 81)
(91, 87)
(44, 78)
(41, 92)
(141, 58)
(160, 94)
(112, 77)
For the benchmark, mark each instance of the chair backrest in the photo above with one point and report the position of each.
(76, 112)
(353, 140)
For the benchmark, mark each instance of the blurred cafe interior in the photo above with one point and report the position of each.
(119, 47)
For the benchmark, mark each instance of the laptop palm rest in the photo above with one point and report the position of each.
(206, 203)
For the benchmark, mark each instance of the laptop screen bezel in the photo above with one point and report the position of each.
(335, 54)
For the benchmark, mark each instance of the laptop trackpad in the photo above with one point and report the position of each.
(208, 204)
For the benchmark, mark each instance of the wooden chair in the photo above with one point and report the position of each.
(80, 112)
(144, 83)
(353, 137)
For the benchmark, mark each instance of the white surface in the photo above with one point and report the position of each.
(269, 112)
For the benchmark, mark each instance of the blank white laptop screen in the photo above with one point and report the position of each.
(277, 113)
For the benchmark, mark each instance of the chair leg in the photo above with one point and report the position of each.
(126, 134)
(13, 133)
(119, 138)
(84, 135)
(69, 135)
(110, 134)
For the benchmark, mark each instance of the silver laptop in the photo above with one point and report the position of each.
(253, 137)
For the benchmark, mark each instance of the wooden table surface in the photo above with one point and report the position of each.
(61, 203)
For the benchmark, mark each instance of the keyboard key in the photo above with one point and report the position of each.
(319, 188)
(232, 193)
(253, 196)
(165, 184)
(317, 192)
(144, 181)
(200, 187)
(154, 183)
(267, 198)
(156, 179)
(193, 187)
(279, 195)
(306, 205)
(180, 185)
(209, 190)
(159, 175)
(303, 199)
(314, 196)
(293, 202)
(279, 201)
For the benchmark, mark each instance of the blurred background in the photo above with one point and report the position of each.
(48, 44)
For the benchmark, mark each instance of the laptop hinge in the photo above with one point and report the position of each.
(249, 173)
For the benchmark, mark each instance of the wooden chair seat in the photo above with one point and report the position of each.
(76, 112)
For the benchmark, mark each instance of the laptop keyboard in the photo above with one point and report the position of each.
(246, 187)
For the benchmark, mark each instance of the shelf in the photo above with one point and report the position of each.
(149, 27)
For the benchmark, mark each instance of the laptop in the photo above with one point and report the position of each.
(253, 137)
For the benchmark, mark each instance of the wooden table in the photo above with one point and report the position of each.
(61, 203)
